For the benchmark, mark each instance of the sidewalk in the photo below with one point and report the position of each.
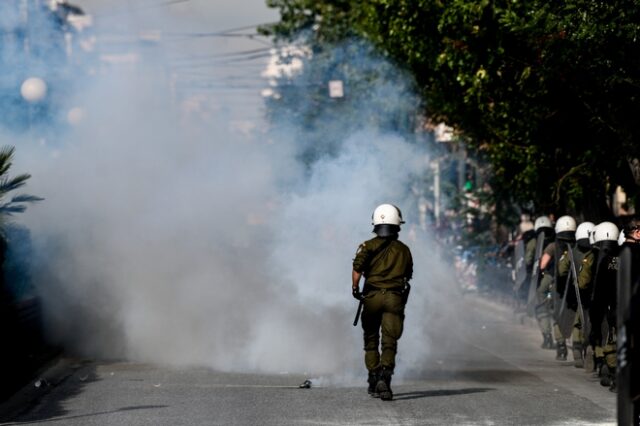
(25, 351)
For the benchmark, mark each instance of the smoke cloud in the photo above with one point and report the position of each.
(191, 235)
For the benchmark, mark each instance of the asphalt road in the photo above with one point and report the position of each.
(492, 373)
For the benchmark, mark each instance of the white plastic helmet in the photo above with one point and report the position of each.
(565, 224)
(584, 230)
(605, 231)
(387, 214)
(542, 222)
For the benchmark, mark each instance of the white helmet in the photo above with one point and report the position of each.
(584, 230)
(387, 214)
(565, 224)
(542, 222)
(605, 231)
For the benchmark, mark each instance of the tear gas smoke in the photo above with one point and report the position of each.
(182, 238)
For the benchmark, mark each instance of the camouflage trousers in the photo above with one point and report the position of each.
(382, 324)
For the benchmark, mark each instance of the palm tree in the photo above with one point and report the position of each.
(17, 203)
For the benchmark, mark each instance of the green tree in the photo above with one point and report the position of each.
(16, 203)
(13, 281)
(546, 92)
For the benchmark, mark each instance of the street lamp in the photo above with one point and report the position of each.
(33, 90)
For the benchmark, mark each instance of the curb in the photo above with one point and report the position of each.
(51, 374)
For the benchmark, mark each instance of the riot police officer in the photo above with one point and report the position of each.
(603, 303)
(629, 326)
(565, 234)
(582, 258)
(387, 265)
(544, 282)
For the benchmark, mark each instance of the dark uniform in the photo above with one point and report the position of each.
(603, 311)
(387, 266)
(629, 335)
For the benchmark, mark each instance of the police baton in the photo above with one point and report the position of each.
(356, 293)
(355, 320)
(574, 272)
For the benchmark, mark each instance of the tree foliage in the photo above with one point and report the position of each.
(547, 92)
(16, 203)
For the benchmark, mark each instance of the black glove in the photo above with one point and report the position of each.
(356, 293)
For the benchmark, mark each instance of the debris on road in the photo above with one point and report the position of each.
(306, 384)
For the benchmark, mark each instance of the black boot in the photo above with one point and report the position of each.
(544, 342)
(578, 356)
(561, 350)
(547, 341)
(598, 364)
(374, 376)
(605, 375)
(383, 387)
(612, 377)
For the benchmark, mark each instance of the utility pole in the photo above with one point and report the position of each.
(435, 165)
(443, 134)
(24, 20)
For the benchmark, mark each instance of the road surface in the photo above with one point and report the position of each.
(491, 373)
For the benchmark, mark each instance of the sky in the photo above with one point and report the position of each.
(202, 15)
(234, 88)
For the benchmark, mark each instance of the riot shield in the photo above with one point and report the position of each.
(600, 326)
(563, 314)
(535, 276)
(520, 270)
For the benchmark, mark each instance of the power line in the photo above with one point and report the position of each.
(215, 61)
(220, 64)
(177, 37)
(228, 31)
(227, 54)
(196, 36)
(247, 27)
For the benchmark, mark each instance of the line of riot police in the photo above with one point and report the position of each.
(582, 285)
